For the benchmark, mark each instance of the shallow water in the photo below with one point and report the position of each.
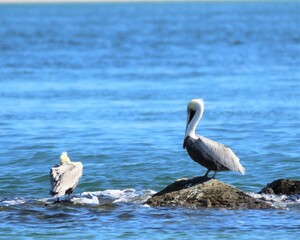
(109, 83)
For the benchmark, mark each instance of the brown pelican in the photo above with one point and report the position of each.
(64, 177)
(210, 154)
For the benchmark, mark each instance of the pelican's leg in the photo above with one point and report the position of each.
(206, 174)
(213, 177)
(69, 197)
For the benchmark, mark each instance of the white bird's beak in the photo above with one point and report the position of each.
(188, 119)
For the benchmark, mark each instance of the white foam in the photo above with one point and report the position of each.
(122, 196)
(278, 201)
(86, 198)
(139, 197)
(106, 196)
(94, 198)
(13, 202)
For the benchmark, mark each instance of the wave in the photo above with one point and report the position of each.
(11, 202)
(114, 196)
(91, 198)
(132, 196)
(278, 201)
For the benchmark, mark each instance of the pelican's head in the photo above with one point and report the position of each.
(64, 158)
(195, 110)
(195, 105)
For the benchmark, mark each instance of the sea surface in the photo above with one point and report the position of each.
(109, 84)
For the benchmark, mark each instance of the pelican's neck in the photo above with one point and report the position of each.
(65, 162)
(191, 127)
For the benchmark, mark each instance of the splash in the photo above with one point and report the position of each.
(278, 201)
(12, 202)
(117, 196)
(86, 198)
(91, 198)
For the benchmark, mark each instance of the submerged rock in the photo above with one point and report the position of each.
(202, 192)
(282, 186)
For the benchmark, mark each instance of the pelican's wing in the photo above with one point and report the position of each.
(221, 153)
(64, 177)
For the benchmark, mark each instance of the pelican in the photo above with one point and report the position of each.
(64, 177)
(210, 154)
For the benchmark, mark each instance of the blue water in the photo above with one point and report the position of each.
(109, 83)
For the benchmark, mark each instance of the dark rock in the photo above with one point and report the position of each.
(202, 192)
(282, 186)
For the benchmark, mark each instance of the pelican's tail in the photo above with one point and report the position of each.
(241, 169)
(53, 194)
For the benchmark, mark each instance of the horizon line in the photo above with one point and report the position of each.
(127, 1)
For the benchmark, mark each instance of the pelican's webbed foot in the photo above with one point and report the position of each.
(55, 202)
(58, 201)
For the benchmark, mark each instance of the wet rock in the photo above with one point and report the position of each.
(282, 186)
(202, 192)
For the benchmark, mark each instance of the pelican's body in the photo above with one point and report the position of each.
(210, 154)
(64, 177)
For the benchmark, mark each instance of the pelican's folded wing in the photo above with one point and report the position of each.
(221, 153)
(64, 177)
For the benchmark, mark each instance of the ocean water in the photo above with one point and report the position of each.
(109, 83)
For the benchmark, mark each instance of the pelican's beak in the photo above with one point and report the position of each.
(190, 115)
(187, 119)
(187, 123)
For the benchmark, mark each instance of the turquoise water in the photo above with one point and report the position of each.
(109, 83)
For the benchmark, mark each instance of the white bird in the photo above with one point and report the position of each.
(210, 154)
(64, 177)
